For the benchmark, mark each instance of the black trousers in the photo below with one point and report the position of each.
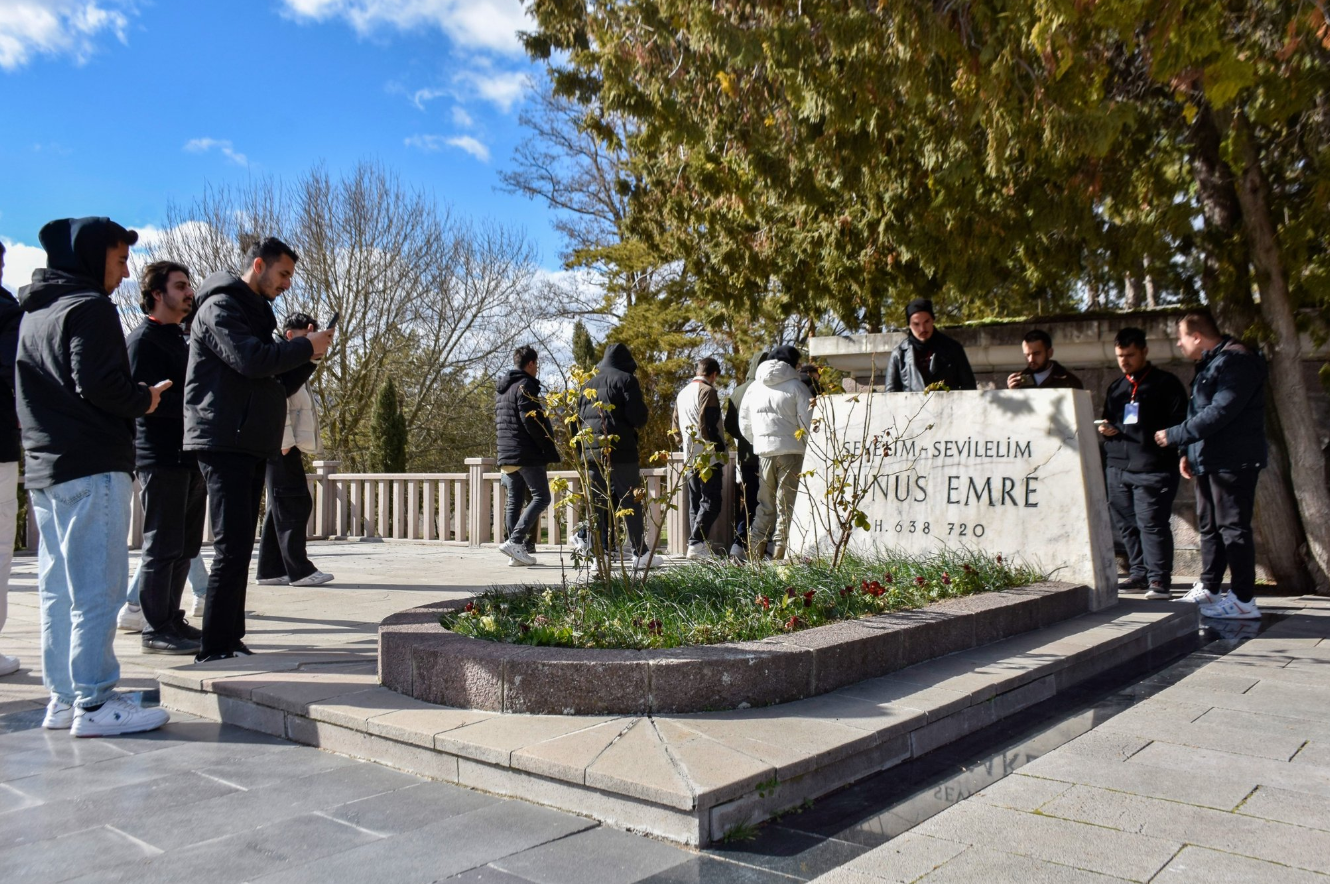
(523, 522)
(1141, 504)
(235, 488)
(624, 479)
(1224, 505)
(704, 500)
(173, 509)
(282, 541)
(745, 507)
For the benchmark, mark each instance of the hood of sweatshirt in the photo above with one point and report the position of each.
(222, 281)
(514, 376)
(773, 373)
(618, 356)
(75, 259)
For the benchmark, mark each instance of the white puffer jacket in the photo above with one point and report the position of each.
(774, 407)
(302, 423)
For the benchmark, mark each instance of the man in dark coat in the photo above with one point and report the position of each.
(613, 448)
(170, 484)
(1042, 371)
(235, 411)
(1142, 478)
(10, 448)
(77, 403)
(1225, 450)
(927, 356)
(750, 465)
(525, 448)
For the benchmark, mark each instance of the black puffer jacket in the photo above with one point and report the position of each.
(742, 445)
(616, 384)
(945, 359)
(525, 436)
(1162, 403)
(76, 399)
(239, 375)
(1225, 425)
(159, 352)
(11, 314)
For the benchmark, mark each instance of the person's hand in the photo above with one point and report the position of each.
(156, 391)
(321, 341)
(1161, 438)
(1108, 430)
(1185, 469)
(1014, 380)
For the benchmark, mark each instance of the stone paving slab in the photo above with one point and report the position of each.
(1198, 783)
(687, 777)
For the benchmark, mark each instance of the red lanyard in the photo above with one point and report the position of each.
(1136, 382)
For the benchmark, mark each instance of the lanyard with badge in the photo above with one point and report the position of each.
(1131, 414)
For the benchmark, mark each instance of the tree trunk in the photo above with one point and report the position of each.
(1227, 280)
(1131, 293)
(1151, 299)
(1306, 460)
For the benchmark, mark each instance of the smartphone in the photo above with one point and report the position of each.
(1100, 423)
(332, 323)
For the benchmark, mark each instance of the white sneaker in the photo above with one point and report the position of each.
(517, 552)
(513, 563)
(273, 581)
(699, 551)
(118, 715)
(644, 561)
(1229, 608)
(581, 544)
(59, 716)
(1199, 595)
(738, 553)
(130, 618)
(318, 578)
(197, 610)
(8, 665)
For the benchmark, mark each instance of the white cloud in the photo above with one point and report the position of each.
(462, 118)
(203, 145)
(490, 25)
(20, 261)
(72, 28)
(503, 89)
(420, 96)
(439, 142)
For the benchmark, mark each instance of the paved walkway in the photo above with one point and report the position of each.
(1224, 776)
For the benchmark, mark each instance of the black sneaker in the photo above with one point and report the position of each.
(240, 650)
(168, 643)
(225, 655)
(1131, 583)
(183, 627)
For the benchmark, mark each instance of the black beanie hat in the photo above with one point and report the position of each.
(918, 305)
(787, 353)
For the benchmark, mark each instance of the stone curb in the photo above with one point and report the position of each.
(421, 659)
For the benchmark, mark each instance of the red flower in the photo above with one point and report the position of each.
(793, 622)
(966, 568)
(763, 601)
(888, 578)
(469, 607)
(946, 578)
(920, 581)
(790, 592)
(655, 627)
(999, 558)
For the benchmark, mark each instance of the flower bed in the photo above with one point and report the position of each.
(716, 602)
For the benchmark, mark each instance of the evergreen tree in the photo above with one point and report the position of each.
(388, 430)
(584, 348)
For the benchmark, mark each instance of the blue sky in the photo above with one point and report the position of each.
(117, 107)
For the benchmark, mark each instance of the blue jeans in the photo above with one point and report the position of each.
(198, 580)
(82, 573)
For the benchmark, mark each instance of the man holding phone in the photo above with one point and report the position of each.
(77, 402)
(1142, 477)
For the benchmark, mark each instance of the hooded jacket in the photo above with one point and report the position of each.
(615, 384)
(944, 358)
(525, 437)
(1225, 426)
(11, 314)
(774, 408)
(158, 352)
(741, 444)
(239, 374)
(76, 398)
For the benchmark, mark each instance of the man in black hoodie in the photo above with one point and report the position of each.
(77, 402)
(10, 449)
(614, 442)
(927, 356)
(170, 483)
(236, 386)
(526, 446)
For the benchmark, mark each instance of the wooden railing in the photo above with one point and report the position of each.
(463, 509)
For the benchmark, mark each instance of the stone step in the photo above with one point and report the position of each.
(687, 777)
